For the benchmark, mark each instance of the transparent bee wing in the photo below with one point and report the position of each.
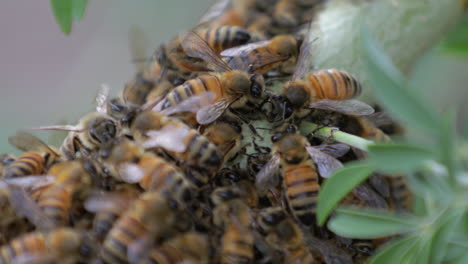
(329, 250)
(105, 202)
(267, 176)
(244, 49)
(60, 127)
(370, 197)
(38, 258)
(213, 111)
(192, 104)
(303, 62)
(334, 150)
(350, 107)
(195, 46)
(131, 173)
(101, 98)
(26, 207)
(28, 142)
(326, 164)
(380, 184)
(139, 249)
(170, 137)
(32, 182)
(216, 10)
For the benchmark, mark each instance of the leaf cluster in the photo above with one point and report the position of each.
(436, 230)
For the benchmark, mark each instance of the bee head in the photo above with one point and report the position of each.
(102, 129)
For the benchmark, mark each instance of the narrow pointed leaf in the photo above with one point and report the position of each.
(393, 252)
(337, 186)
(388, 86)
(440, 238)
(62, 10)
(367, 223)
(79, 7)
(398, 158)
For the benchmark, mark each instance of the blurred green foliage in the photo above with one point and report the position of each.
(436, 231)
(457, 41)
(67, 11)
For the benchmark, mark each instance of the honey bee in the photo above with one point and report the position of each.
(231, 88)
(231, 213)
(325, 89)
(59, 245)
(226, 134)
(71, 180)
(149, 216)
(263, 55)
(108, 207)
(400, 192)
(184, 143)
(174, 55)
(38, 157)
(299, 163)
(190, 247)
(93, 130)
(128, 162)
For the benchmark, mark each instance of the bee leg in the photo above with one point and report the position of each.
(247, 122)
(330, 138)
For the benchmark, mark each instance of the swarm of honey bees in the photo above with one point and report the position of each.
(155, 174)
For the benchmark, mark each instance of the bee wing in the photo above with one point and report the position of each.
(350, 107)
(215, 11)
(244, 49)
(27, 142)
(26, 207)
(329, 250)
(192, 104)
(170, 137)
(131, 173)
(334, 150)
(255, 61)
(60, 127)
(380, 184)
(372, 198)
(326, 164)
(105, 202)
(213, 111)
(38, 258)
(101, 98)
(139, 249)
(32, 182)
(303, 59)
(195, 46)
(267, 176)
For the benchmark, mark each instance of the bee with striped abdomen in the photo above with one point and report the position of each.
(149, 216)
(233, 215)
(300, 166)
(38, 157)
(231, 88)
(60, 245)
(324, 89)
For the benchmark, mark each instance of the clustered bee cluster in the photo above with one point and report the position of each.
(154, 175)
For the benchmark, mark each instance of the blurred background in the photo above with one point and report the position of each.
(49, 78)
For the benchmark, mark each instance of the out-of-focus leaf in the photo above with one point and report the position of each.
(447, 144)
(79, 7)
(457, 249)
(398, 158)
(63, 14)
(457, 40)
(388, 86)
(367, 223)
(393, 252)
(337, 186)
(441, 237)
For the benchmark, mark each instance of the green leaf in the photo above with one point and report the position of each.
(367, 223)
(398, 158)
(393, 252)
(457, 40)
(388, 86)
(63, 14)
(337, 186)
(460, 260)
(440, 238)
(79, 7)
(447, 145)
(457, 249)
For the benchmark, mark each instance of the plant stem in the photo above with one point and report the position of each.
(333, 133)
